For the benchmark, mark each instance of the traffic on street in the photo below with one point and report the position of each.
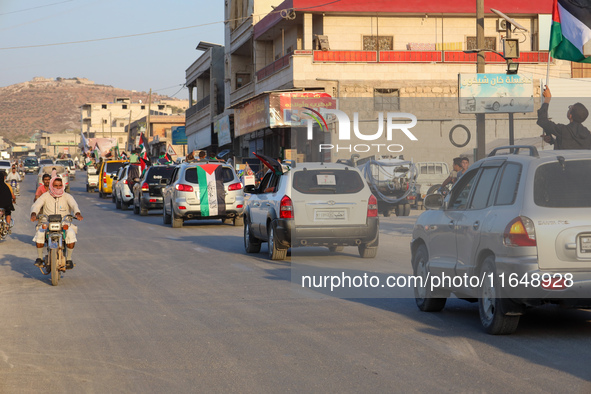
(150, 307)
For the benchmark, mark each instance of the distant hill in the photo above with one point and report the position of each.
(54, 104)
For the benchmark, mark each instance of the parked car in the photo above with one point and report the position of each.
(69, 164)
(147, 192)
(61, 171)
(311, 204)
(121, 192)
(107, 171)
(511, 218)
(31, 165)
(203, 190)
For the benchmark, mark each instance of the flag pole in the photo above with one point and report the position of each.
(548, 70)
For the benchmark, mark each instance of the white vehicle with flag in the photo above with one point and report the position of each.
(204, 190)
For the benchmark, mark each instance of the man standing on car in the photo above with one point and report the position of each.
(571, 136)
(56, 201)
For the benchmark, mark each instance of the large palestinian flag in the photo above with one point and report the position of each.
(212, 195)
(570, 37)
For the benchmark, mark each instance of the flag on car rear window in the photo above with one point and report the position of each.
(570, 36)
(212, 195)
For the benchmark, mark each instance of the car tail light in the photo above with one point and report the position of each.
(286, 208)
(520, 232)
(105, 179)
(125, 182)
(182, 207)
(145, 187)
(372, 207)
(183, 188)
(152, 200)
(235, 186)
(239, 206)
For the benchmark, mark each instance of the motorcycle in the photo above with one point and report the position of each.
(4, 227)
(55, 227)
(21, 173)
(15, 188)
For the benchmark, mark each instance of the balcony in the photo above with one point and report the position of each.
(272, 68)
(197, 107)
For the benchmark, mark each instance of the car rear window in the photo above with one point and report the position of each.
(157, 173)
(563, 185)
(191, 175)
(31, 162)
(45, 161)
(5, 163)
(112, 168)
(327, 181)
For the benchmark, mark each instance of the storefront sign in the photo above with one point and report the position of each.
(253, 116)
(292, 109)
(222, 129)
(178, 135)
(495, 93)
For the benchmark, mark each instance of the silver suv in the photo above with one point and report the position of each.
(513, 233)
(203, 190)
(311, 204)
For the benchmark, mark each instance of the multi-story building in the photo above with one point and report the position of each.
(385, 56)
(55, 144)
(158, 129)
(108, 120)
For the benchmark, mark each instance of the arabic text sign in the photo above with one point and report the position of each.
(495, 93)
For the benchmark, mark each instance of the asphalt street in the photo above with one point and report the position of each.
(153, 309)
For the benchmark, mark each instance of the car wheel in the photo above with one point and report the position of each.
(423, 297)
(87, 190)
(490, 305)
(136, 209)
(143, 210)
(406, 210)
(275, 253)
(124, 205)
(369, 250)
(166, 219)
(334, 249)
(239, 221)
(114, 197)
(251, 244)
(117, 202)
(177, 222)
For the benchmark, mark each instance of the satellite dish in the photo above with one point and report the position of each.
(509, 20)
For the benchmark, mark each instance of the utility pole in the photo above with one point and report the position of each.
(480, 118)
(148, 122)
(129, 133)
(111, 124)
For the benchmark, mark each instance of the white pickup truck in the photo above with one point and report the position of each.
(92, 180)
(430, 176)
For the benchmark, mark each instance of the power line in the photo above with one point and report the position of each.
(34, 8)
(155, 32)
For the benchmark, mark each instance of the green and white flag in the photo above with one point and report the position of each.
(212, 195)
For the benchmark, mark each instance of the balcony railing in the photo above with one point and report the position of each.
(197, 107)
(420, 57)
(272, 68)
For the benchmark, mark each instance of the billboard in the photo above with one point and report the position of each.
(495, 93)
(179, 137)
(222, 129)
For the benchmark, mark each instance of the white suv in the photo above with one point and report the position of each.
(311, 204)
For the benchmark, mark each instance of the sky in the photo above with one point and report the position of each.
(154, 61)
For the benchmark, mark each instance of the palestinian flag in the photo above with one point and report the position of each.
(570, 37)
(143, 147)
(212, 195)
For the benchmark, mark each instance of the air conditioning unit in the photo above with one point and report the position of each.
(501, 24)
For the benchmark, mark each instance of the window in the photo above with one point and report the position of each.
(461, 191)
(124, 106)
(370, 43)
(161, 107)
(242, 79)
(143, 107)
(104, 121)
(121, 124)
(104, 106)
(489, 43)
(509, 184)
(191, 175)
(563, 185)
(327, 182)
(484, 187)
(386, 99)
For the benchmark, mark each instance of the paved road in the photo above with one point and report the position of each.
(153, 309)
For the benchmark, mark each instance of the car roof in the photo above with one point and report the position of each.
(544, 156)
(320, 166)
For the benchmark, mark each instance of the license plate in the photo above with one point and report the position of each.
(53, 244)
(330, 214)
(585, 244)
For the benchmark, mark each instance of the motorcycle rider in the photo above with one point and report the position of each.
(14, 176)
(56, 201)
(6, 199)
(44, 187)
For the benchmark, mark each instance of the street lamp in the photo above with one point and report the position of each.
(512, 68)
